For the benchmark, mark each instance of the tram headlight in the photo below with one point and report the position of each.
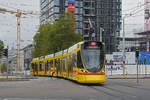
(84, 71)
(103, 71)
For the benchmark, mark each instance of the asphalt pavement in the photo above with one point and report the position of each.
(61, 89)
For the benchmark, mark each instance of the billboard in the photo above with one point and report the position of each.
(71, 6)
(147, 14)
(145, 58)
(129, 58)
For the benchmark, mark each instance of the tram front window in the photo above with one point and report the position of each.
(93, 59)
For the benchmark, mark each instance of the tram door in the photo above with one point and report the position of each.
(56, 65)
(61, 67)
(64, 66)
(51, 67)
(46, 67)
(36, 69)
(70, 67)
(74, 64)
(33, 68)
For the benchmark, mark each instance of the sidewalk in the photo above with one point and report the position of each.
(128, 76)
(16, 78)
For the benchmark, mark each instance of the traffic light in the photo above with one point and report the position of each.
(137, 53)
(5, 52)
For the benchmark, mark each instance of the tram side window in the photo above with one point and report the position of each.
(74, 60)
(41, 66)
(79, 60)
(32, 65)
(36, 67)
(70, 63)
(64, 63)
(58, 65)
(46, 66)
(55, 63)
(51, 63)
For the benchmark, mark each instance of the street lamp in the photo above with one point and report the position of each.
(124, 57)
(123, 41)
(101, 31)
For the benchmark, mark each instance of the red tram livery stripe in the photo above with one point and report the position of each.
(80, 73)
(91, 73)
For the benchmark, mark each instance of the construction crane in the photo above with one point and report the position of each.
(18, 15)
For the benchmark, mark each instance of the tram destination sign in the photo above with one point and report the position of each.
(92, 45)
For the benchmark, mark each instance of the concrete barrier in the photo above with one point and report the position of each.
(129, 69)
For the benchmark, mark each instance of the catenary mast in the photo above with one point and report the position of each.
(147, 19)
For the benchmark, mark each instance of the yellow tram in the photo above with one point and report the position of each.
(83, 62)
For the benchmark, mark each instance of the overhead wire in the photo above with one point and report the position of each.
(138, 6)
(131, 8)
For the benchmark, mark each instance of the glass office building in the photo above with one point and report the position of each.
(50, 10)
(102, 14)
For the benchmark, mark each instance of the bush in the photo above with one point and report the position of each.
(3, 68)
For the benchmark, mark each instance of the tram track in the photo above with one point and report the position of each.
(119, 91)
(115, 93)
(132, 86)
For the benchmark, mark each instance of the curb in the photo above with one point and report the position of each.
(17, 79)
(125, 77)
(14, 79)
(128, 78)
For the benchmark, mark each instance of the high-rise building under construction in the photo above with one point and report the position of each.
(100, 19)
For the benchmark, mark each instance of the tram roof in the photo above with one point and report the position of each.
(60, 52)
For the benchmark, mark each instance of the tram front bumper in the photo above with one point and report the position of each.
(92, 79)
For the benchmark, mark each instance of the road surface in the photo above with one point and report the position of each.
(60, 89)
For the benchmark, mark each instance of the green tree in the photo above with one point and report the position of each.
(42, 40)
(3, 68)
(1, 48)
(65, 32)
(55, 37)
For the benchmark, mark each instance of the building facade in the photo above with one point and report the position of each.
(50, 10)
(27, 56)
(131, 44)
(12, 60)
(100, 19)
(25, 59)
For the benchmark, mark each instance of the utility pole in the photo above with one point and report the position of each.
(137, 61)
(101, 31)
(123, 46)
(7, 60)
(18, 40)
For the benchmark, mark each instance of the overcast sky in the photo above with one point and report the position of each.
(135, 23)
(8, 22)
(29, 25)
